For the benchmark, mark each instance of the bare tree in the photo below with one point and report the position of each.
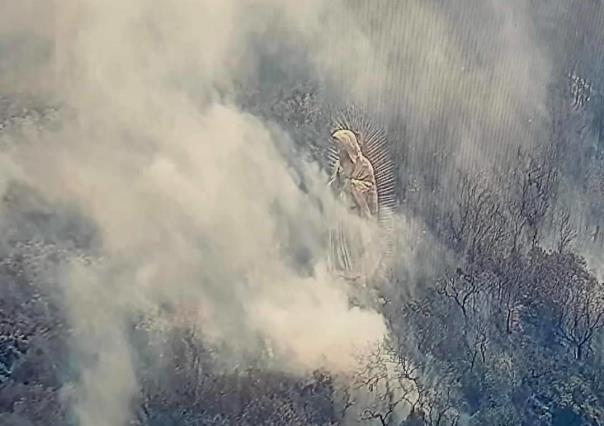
(509, 288)
(461, 288)
(477, 222)
(533, 188)
(581, 315)
(566, 231)
(391, 381)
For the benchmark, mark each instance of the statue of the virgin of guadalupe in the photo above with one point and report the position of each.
(357, 248)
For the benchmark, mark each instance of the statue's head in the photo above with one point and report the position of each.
(347, 142)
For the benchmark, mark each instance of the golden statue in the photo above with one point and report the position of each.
(363, 179)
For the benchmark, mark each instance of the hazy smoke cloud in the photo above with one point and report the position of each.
(194, 203)
(192, 199)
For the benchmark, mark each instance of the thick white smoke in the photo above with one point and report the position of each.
(189, 195)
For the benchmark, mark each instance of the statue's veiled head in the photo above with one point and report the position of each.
(346, 142)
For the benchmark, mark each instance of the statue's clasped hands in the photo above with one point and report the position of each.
(360, 185)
